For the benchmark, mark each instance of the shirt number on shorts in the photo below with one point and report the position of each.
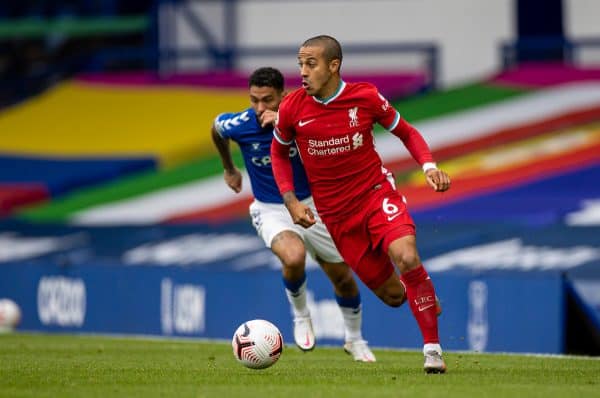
(390, 209)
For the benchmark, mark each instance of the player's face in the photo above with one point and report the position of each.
(319, 77)
(264, 98)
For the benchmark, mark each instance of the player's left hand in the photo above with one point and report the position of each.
(268, 118)
(438, 180)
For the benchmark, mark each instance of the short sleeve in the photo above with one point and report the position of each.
(219, 124)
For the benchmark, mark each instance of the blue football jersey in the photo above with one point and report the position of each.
(255, 144)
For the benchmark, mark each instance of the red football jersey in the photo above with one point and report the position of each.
(336, 143)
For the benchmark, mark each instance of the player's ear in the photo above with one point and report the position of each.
(334, 65)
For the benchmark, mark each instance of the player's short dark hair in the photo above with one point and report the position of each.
(266, 77)
(332, 47)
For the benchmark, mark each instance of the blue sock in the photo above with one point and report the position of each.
(349, 302)
(352, 313)
(294, 286)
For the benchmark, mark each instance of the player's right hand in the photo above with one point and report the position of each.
(301, 214)
(233, 179)
(268, 118)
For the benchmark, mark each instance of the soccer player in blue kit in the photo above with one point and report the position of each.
(252, 130)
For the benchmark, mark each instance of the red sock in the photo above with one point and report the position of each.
(421, 298)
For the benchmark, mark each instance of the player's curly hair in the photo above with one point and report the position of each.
(332, 47)
(266, 77)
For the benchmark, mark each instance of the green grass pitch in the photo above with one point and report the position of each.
(40, 365)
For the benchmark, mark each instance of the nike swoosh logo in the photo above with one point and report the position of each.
(307, 342)
(424, 307)
(304, 123)
(390, 218)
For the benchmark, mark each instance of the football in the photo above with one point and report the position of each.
(10, 315)
(257, 344)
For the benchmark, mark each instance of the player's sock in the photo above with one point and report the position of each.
(296, 294)
(421, 298)
(351, 308)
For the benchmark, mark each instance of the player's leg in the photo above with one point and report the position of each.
(348, 298)
(392, 229)
(374, 269)
(289, 248)
(320, 245)
(274, 226)
(421, 297)
(391, 291)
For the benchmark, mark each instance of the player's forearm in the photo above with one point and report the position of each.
(289, 198)
(222, 146)
(282, 167)
(414, 142)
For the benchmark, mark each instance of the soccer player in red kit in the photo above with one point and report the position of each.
(331, 122)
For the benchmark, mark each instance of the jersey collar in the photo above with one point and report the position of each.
(337, 93)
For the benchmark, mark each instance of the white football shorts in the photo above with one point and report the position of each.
(270, 219)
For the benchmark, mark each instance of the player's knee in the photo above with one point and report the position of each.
(293, 258)
(392, 302)
(290, 250)
(406, 260)
(392, 292)
(395, 298)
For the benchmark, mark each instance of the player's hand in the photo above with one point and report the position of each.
(268, 118)
(438, 180)
(301, 214)
(233, 179)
